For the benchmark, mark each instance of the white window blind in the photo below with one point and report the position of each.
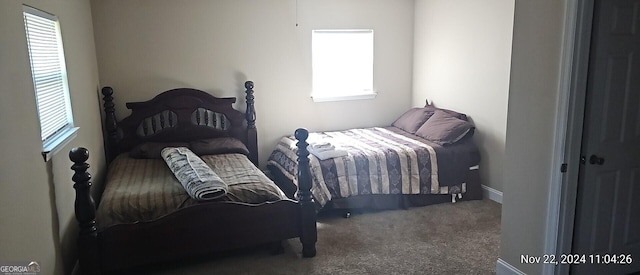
(342, 62)
(49, 76)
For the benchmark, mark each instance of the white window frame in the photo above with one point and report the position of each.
(49, 73)
(342, 64)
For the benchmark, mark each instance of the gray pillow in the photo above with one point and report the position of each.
(450, 112)
(213, 146)
(152, 150)
(443, 128)
(412, 119)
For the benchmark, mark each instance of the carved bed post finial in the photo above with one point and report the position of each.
(309, 232)
(110, 125)
(252, 133)
(85, 213)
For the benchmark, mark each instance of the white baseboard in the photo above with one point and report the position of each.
(504, 268)
(492, 194)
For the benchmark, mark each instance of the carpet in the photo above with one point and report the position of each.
(460, 238)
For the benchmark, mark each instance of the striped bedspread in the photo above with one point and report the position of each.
(146, 189)
(380, 161)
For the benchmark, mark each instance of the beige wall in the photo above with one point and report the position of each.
(36, 198)
(148, 46)
(462, 56)
(153, 45)
(533, 99)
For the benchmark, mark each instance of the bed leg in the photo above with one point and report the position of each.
(347, 214)
(308, 230)
(85, 213)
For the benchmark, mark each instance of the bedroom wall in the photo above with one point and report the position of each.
(462, 54)
(148, 46)
(534, 92)
(37, 216)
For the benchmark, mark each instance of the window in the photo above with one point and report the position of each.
(49, 79)
(342, 62)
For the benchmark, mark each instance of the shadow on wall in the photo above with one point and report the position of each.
(492, 150)
(140, 90)
(241, 101)
(55, 224)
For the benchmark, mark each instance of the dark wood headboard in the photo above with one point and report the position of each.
(180, 115)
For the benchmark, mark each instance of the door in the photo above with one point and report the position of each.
(607, 224)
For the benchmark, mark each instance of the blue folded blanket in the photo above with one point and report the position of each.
(197, 178)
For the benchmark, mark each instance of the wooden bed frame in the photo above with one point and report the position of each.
(197, 229)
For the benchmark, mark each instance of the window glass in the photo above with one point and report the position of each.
(342, 63)
(49, 74)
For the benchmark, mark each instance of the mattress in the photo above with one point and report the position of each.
(381, 160)
(146, 189)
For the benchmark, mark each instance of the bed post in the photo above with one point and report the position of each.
(252, 133)
(309, 232)
(85, 213)
(110, 125)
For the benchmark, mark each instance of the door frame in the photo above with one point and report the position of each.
(569, 126)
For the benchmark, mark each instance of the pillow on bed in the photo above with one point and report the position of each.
(412, 119)
(152, 150)
(197, 178)
(213, 146)
(444, 128)
(450, 112)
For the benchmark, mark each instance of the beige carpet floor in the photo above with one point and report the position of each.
(460, 238)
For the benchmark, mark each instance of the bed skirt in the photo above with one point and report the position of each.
(386, 201)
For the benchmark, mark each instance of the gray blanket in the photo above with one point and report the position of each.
(197, 178)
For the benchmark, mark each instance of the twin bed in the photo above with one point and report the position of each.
(145, 216)
(426, 156)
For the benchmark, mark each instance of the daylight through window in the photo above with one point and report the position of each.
(49, 77)
(342, 62)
